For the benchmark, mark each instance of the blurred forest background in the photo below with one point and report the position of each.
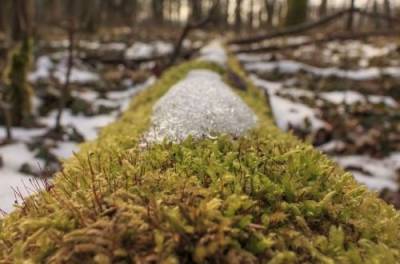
(331, 69)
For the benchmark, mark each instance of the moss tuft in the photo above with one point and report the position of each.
(265, 197)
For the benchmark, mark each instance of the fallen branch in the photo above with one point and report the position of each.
(333, 37)
(294, 30)
(291, 30)
(190, 25)
(131, 63)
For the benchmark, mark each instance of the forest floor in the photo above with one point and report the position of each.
(98, 93)
(344, 97)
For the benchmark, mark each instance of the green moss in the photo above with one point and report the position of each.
(262, 198)
(19, 93)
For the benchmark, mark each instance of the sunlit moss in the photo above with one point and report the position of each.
(265, 197)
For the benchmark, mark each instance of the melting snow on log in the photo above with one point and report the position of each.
(201, 105)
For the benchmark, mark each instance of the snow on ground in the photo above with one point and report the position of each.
(141, 50)
(243, 57)
(45, 66)
(352, 97)
(376, 174)
(335, 51)
(88, 126)
(201, 105)
(286, 112)
(16, 154)
(292, 67)
(357, 49)
(290, 114)
(214, 52)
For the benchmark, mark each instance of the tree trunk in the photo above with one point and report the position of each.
(361, 21)
(226, 12)
(157, 7)
(23, 11)
(217, 14)
(7, 121)
(323, 8)
(251, 14)
(238, 15)
(296, 12)
(5, 6)
(270, 9)
(375, 11)
(350, 20)
(70, 62)
(388, 11)
(196, 10)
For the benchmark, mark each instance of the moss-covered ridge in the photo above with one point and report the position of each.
(261, 198)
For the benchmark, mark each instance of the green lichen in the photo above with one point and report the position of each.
(262, 198)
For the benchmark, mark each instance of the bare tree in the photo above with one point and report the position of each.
(375, 11)
(71, 30)
(323, 8)
(5, 109)
(388, 11)
(157, 7)
(238, 14)
(250, 18)
(350, 19)
(226, 12)
(190, 25)
(196, 9)
(270, 6)
(296, 12)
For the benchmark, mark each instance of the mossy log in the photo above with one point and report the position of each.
(262, 198)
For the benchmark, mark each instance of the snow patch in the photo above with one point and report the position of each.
(201, 105)
(352, 97)
(375, 173)
(45, 67)
(292, 67)
(214, 52)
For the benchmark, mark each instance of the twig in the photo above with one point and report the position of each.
(333, 37)
(309, 26)
(190, 25)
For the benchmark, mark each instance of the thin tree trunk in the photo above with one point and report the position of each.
(388, 11)
(226, 12)
(5, 108)
(196, 9)
(270, 9)
(251, 14)
(323, 8)
(217, 15)
(70, 62)
(238, 15)
(22, 19)
(158, 10)
(296, 12)
(350, 20)
(375, 11)
(362, 18)
(7, 121)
